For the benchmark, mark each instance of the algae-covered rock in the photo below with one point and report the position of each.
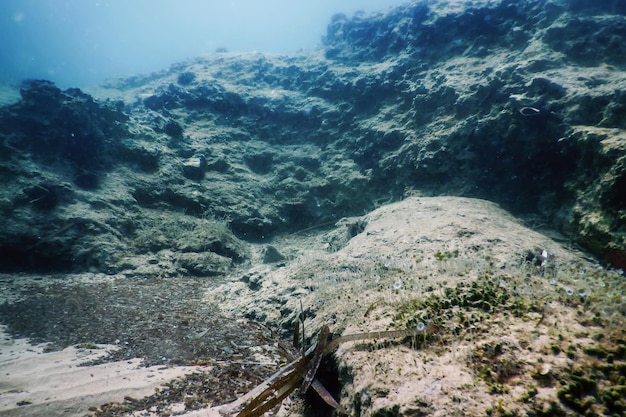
(517, 103)
(598, 218)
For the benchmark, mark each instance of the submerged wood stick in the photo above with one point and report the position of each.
(259, 390)
(52, 235)
(317, 359)
(387, 334)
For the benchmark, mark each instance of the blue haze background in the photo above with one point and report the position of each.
(78, 43)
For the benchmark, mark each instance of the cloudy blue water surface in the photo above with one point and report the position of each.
(77, 43)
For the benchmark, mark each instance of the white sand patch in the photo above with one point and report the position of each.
(36, 383)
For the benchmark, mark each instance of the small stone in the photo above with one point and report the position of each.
(272, 255)
(545, 369)
(194, 168)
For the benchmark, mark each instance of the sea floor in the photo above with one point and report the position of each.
(521, 318)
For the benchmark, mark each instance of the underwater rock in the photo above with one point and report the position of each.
(518, 103)
(186, 78)
(203, 264)
(68, 124)
(590, 41)
(194, 168)
(260, 163)
(173, 129)
(272, 255)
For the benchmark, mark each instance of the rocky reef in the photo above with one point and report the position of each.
(515, 103)
(521, 103)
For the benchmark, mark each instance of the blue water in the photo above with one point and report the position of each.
(77, 43)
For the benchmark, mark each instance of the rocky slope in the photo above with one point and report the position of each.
(521, 104)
